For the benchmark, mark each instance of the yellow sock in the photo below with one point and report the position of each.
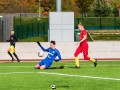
(91, 59)
(77, 61)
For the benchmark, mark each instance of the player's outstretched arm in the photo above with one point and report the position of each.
(42, 47)
(38, 43)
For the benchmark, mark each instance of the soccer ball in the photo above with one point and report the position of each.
(40, 54)
(53, 86)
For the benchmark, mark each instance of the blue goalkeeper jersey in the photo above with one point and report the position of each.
(52, 54)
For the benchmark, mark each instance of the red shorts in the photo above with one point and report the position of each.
(82, 48)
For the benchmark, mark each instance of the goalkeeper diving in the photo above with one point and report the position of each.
(52, 54)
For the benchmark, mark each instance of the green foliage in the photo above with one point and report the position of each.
(115, 12)
(97, 21)
(106, 37)
(77, 6)
(43, 38)
(84, 5)
(101, 8)
(47, 3)
(47, 6)
(27, 27)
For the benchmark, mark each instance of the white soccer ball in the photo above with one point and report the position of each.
(40, 54)
(53, 86)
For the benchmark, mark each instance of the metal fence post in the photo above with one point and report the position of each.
(21, 26)
(44, 27)
(78, 20)
(114, 22)
(22, 30)
(38, 27)
(100, 22)
(32, 28)
(27, 31)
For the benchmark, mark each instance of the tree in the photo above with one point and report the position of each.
(47, 5)
(17, 6)
(115, 4)
(83, 5)
(50, 5)
(12, 7)
(115, 12)
(3, 6)
(66, 5)
(101, 8)
(27, 6)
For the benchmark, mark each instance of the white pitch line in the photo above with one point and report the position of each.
(54, 65)
(14, 66)
(60, 74)
(91, 77)
(17, 73)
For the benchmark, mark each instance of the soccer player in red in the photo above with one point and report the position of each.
(83, 47)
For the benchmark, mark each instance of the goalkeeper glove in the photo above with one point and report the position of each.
(38, 43)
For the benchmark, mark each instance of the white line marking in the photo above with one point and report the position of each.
(17, 73)
(60, 74)
(91, 77)
(56, 65)
(14, 66)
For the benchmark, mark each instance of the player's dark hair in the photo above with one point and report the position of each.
(53, 42)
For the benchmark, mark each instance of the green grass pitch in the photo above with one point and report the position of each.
(23, 76)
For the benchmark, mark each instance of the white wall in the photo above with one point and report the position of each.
(61, 26)
(29, 50)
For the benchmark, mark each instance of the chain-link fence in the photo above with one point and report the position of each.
(27, 27)
(98, 23)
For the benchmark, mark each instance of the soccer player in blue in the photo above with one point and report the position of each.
(52, 54)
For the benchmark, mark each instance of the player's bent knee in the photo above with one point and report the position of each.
(37, 66)
(43, 67)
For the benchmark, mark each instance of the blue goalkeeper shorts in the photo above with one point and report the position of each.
(45, 62)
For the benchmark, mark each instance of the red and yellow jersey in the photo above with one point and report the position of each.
(83, 32)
